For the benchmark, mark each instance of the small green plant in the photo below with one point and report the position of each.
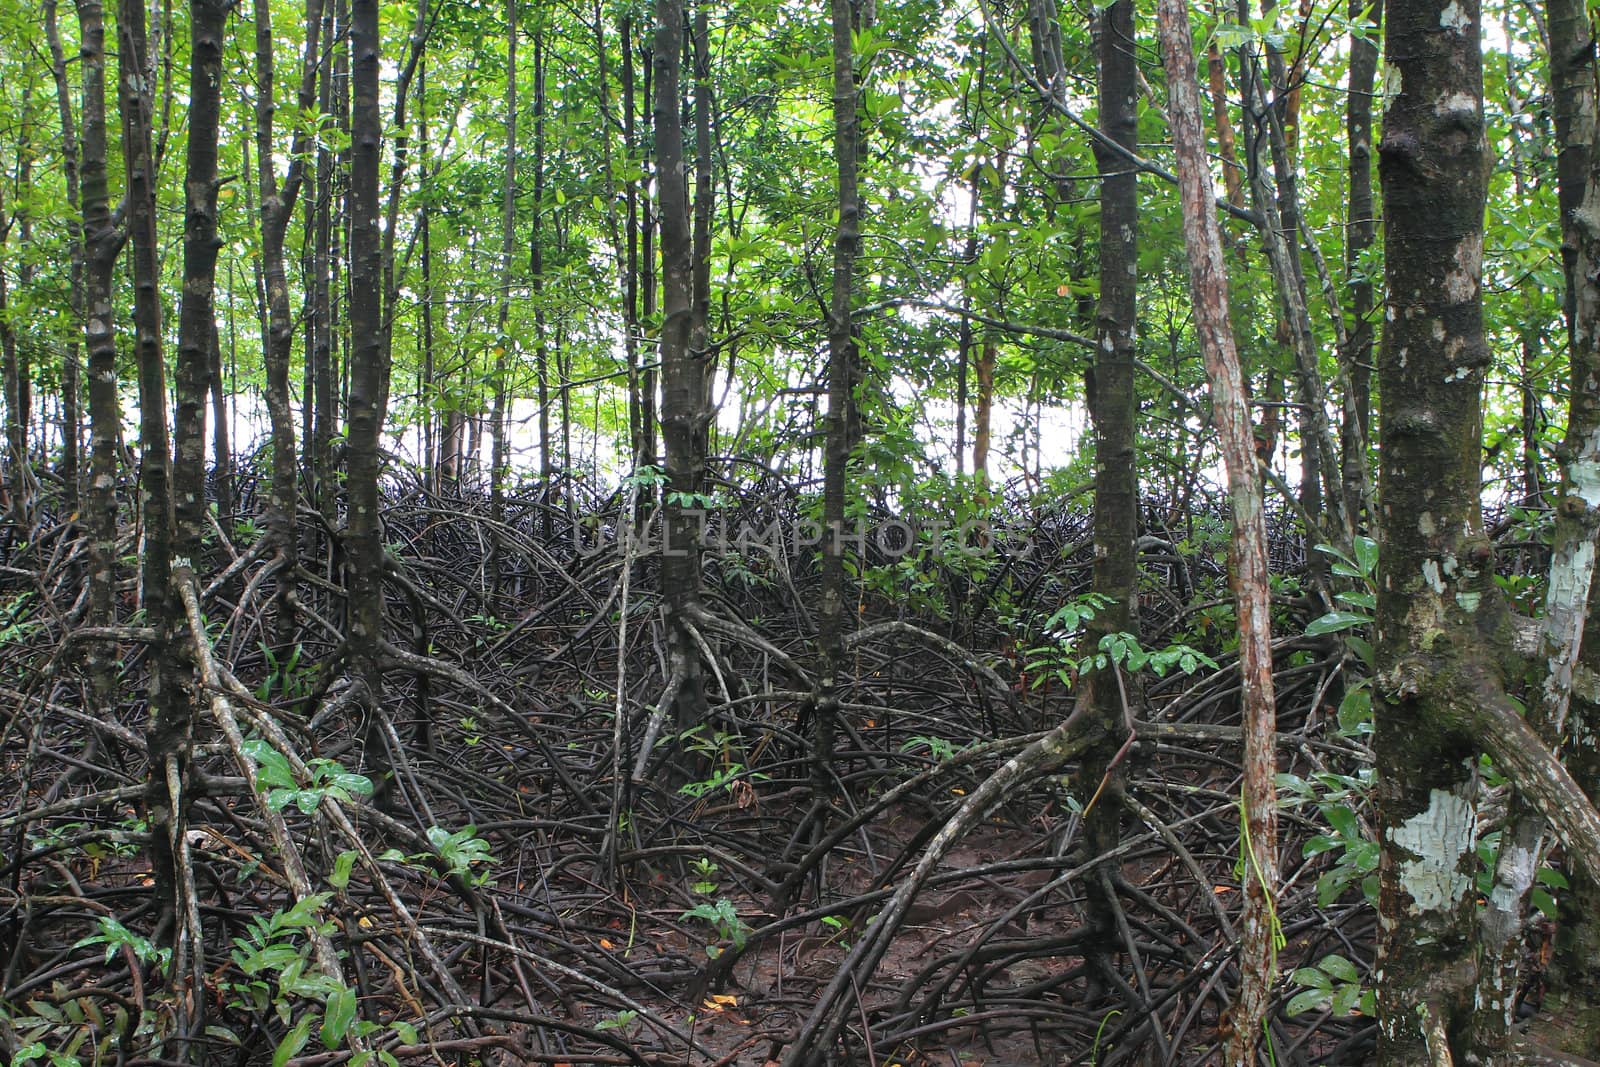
(1334, 984)
(115, 937)
(1358, 603)
(276, 777)
(937, 747)
(622, 1020)
(1357, 862)
(724, 918)
(287, 677)
(840, 926)
(704, 870)
(720, 747)
(461, 851)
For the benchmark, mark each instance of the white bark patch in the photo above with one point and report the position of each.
(1469, 601)
(1454, 19)
(1439, 838)
(1453, 104)
(1515, 875)
(1584, 471)
(1430, 575)
(1461, 282)
(1425, 525)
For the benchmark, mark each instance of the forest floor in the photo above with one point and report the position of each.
(522, 897)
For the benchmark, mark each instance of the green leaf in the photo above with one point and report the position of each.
(1551, 877)
(1334, 621)
(340, 877)
(1340, 968)
(1345, 999)
(1367, 554)
(1355, 711)
(292, 1042)
(1309, 1000)
(341, 1011)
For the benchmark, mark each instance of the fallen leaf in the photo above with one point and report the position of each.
(605, 942)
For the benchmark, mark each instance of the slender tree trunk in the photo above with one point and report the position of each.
(983, 409)
(221, 441)
(197, 322)
(429, 390)
(1261, 935)
(1572, 64)
(167, 739)
(1227, 142)
(682, 410)
(541, 362)
(102, 244)
(1280, 230)
(504, 344)
(71, 419)
(277, 208)
(832, 619)
(630, 296)
(20, 487)
(1113, 409)
(1569, 590)
(649, 228)
(369, 387)
(1360, 232)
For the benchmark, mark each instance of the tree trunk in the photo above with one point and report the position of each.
(1360, 232)
(831, 615)
(197, 325)
(1260, 934)
(536, 268)
(983, 409)
(71, 428)
(277, 208)
(20, 484)
(1435, 579)
(1565, 640)
(102, 243)
(683, 412)
(369, 389)
(504, 343)
(1113, 410)
(167, 740)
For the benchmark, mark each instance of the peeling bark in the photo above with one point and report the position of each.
(1260, 934)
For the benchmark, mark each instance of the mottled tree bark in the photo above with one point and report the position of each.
(102, 243)
(71, 419)
(1113, 409)
(369, 389)
(277, 208)
(683, 411)
(1435, 576)
(1260, 935)
(832, 619)
(167, 737)
(197, 310)
(1360, 232)
(504, 343)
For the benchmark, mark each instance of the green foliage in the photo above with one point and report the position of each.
(724, 919)
(1057, 659)
(1337, 798)
(1333, 985)
(116, 937)
(462, 851)
(282, 788)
